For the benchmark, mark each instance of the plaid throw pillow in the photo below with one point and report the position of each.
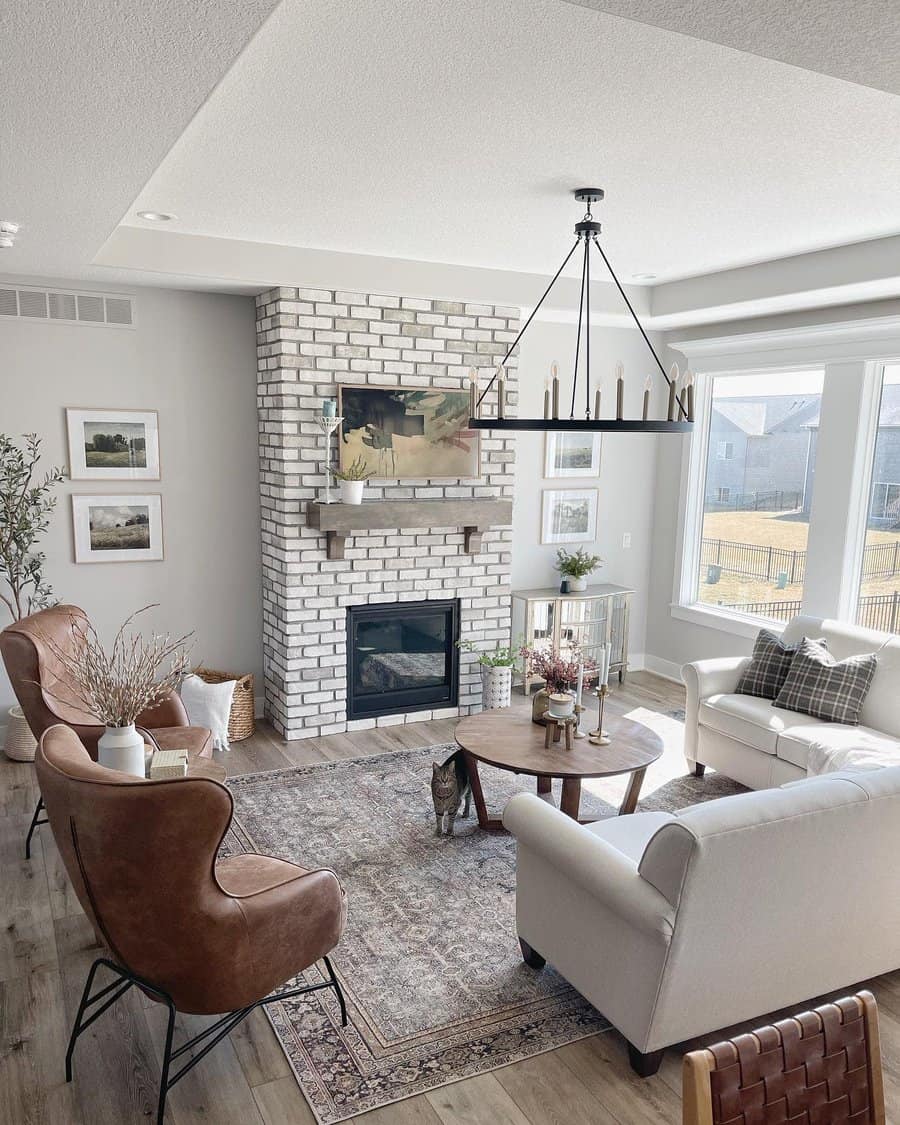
(826, 688)
(768, 668)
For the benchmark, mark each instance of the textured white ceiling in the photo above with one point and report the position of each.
(451, 132)
(92, 96)
(857, 41)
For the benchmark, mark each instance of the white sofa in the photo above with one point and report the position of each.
(762, 746)
(678, 925)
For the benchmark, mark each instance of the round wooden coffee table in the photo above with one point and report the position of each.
(513, 742)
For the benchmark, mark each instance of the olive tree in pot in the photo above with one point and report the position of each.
(27, 501)
(575, 566)
(496, 673)
(352, 481)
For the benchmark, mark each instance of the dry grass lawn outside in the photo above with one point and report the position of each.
(786, 530)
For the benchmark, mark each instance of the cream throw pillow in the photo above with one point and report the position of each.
(209, 705)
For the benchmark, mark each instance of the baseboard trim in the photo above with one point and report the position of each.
(668, 669)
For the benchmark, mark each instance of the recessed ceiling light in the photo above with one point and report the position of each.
(156, 216)
(643, 277)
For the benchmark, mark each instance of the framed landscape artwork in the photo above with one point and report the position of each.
(113, 444)
(571, 455)
(569, 516)
(117, 528)
(402, 434)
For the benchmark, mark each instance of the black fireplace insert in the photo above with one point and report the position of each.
(402, 657)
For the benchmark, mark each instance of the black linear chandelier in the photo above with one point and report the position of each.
(680, 414)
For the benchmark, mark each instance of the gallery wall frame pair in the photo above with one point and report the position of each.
(107, 445)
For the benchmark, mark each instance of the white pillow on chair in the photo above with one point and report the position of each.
(209, 705)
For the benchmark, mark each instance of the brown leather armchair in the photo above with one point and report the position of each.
(254, 921)
(39, 681)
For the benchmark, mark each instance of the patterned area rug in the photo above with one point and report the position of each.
(435, 986)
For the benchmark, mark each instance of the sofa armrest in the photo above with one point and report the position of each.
(702, 679)
(597, 867)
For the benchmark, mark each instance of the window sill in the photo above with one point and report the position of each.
(738, 624)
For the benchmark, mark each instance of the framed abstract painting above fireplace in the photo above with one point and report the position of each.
(410, 433)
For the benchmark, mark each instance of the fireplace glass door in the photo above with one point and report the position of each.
(402, 657)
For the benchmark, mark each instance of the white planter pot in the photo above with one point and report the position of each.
(496, 687)
(562, 705)
(122, 748)
(20, 744)
(352, 491)
(577, 585)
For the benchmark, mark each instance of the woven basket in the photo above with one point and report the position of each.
(20, 744)
(242, 720)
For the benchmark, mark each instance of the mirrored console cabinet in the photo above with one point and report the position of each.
(547, 619)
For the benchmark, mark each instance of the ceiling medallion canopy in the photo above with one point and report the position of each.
(584, 403)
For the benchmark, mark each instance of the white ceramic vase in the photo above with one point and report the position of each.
(20, 744)
(122, 748)
(496, 687)
(577, 585)
(352, 491)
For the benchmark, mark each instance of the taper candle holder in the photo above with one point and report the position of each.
(599, 736)
(579, 711)
(327, 424)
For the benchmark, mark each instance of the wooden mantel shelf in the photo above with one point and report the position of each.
(473, 516)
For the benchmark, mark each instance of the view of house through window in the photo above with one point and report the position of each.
(879, 591)
(758, 487)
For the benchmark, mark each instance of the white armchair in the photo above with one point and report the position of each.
(677, 925)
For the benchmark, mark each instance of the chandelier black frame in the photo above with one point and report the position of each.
(680, 405)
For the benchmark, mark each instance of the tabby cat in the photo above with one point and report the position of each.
(449, 786)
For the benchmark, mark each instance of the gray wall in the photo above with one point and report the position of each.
(627, 465)
(191, 358)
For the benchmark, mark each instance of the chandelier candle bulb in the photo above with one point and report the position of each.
(501, 393)
(689, 392)
(620, 391)
(473, 392)
(547, 397)
(554, 372)
(647, 385)
(597, 403)
(673, 390)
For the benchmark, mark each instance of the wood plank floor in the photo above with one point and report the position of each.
(46, 946)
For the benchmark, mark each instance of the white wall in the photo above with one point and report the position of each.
(627, 465)
(192, 358)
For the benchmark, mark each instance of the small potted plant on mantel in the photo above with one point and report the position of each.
(26, 504)
(352, 481)
(575, 566)
(496, 673)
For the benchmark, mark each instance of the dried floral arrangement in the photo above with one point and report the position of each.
(559, 673)
(118, 684)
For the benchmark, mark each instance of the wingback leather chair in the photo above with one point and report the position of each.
(46, 698)
(193, 934)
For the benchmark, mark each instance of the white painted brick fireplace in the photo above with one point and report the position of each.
(309, 342)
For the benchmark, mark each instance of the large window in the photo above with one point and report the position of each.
(757, 491)
(879, 590)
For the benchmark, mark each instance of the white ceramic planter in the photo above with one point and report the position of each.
(496, 687)
(562, 705)
(122, 748)
(20, 744)
(352, 491)
(577, 585)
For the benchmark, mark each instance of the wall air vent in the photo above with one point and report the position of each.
(65, 306)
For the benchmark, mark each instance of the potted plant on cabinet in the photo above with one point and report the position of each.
(575, 566)
(352, 481)
(496, 673)
(114, 686)
(560, 673)
(26, 504)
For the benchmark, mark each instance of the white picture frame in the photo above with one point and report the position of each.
(571, 454)
(134, 456)
(117, 528)
(569, 515)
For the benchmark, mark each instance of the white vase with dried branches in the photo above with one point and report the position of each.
(115, 686)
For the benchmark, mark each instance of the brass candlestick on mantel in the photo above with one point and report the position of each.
(327, 424)
(599, 736)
